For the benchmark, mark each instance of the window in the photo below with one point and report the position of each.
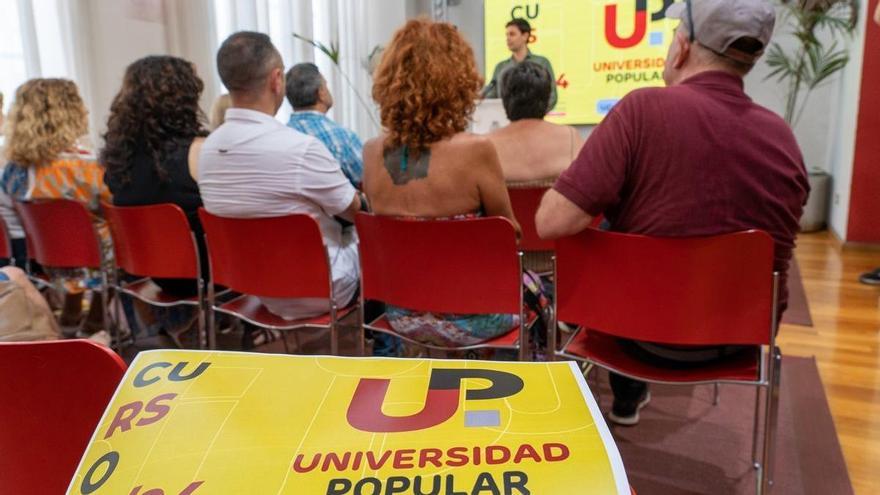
(12, 59)
(31, 44)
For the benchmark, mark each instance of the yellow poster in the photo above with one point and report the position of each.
(600, 50)
(197, 423)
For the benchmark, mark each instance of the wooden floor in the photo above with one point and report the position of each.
(846, 344)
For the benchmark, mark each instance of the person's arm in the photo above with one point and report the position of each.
(592, 183)
(493, 190)
(323, 182)
(553, 96)
(559, 217)
(352, 161)
(877, 14)
(353, 208)
(491, 89)
(195, 149)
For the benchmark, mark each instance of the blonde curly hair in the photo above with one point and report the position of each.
(47, 118)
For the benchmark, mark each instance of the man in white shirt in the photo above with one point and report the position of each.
(253, 166)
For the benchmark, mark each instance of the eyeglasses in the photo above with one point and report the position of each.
(690, 13)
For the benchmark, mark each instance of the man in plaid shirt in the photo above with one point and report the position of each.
(308, 95)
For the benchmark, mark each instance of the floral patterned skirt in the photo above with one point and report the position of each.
(449, 330)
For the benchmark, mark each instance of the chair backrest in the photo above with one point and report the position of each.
(60, 233)
(447, 266)
(5, 241)
(53, 396)
(684, 291)
(153, 241)
(525, 202)
(280, 257)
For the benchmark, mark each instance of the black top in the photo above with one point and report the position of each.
(178, 187)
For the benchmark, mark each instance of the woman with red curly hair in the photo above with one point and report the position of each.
(426, 166)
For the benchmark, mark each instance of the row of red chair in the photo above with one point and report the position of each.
(711, 291)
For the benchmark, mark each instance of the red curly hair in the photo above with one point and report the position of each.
(426, 85)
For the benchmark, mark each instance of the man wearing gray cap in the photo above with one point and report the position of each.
(697, 158)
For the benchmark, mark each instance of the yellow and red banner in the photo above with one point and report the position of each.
(194, 423)
(600, 49)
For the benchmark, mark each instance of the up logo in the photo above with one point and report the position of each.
(612, 34)
(441, 403)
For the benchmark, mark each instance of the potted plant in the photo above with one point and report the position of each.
(369, 64)
(805, 66)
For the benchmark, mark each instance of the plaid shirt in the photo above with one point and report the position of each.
(342, 143)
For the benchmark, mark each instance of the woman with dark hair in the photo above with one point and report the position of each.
(154, 135)
(530, 148)
(426, 166)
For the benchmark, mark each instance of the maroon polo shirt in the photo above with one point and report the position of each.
(696, 159)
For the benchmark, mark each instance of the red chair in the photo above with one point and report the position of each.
(155, 241)
(5, 244)
(279, 257)
(690, 291)
(54, 394)
(443, 266)
(60, 234)
(538, 252)
(525, 202)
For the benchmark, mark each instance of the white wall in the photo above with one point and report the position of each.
(117, 39)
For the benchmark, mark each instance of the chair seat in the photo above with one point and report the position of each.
(250, 308)
(510, 340)
(147, 291)
(604, 350)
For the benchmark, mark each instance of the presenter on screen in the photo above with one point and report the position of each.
(518, 33)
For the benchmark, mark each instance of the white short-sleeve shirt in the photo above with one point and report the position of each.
(253, 166)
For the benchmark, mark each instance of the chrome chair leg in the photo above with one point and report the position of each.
(334, 338)
(757, 424)
(717, 395)
(359, 336)
(774, 417)
(770, 421)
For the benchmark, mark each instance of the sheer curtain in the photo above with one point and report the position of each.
(190, 34)
(38, 38)
(337, 22)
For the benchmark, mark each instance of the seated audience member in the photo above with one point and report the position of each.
(7, 210)
(154, 134)
(697, 158)
(310, 98)
(25, 314)
(530, 148)
(253, 166)
(47, 161)
(425, 166)
(218, 110)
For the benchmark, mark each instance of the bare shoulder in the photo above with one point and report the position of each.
(374, 143)
(476, 145)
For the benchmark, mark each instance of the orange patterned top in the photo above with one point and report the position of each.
(77, 176)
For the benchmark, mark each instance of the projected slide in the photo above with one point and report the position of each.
(600, 49)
